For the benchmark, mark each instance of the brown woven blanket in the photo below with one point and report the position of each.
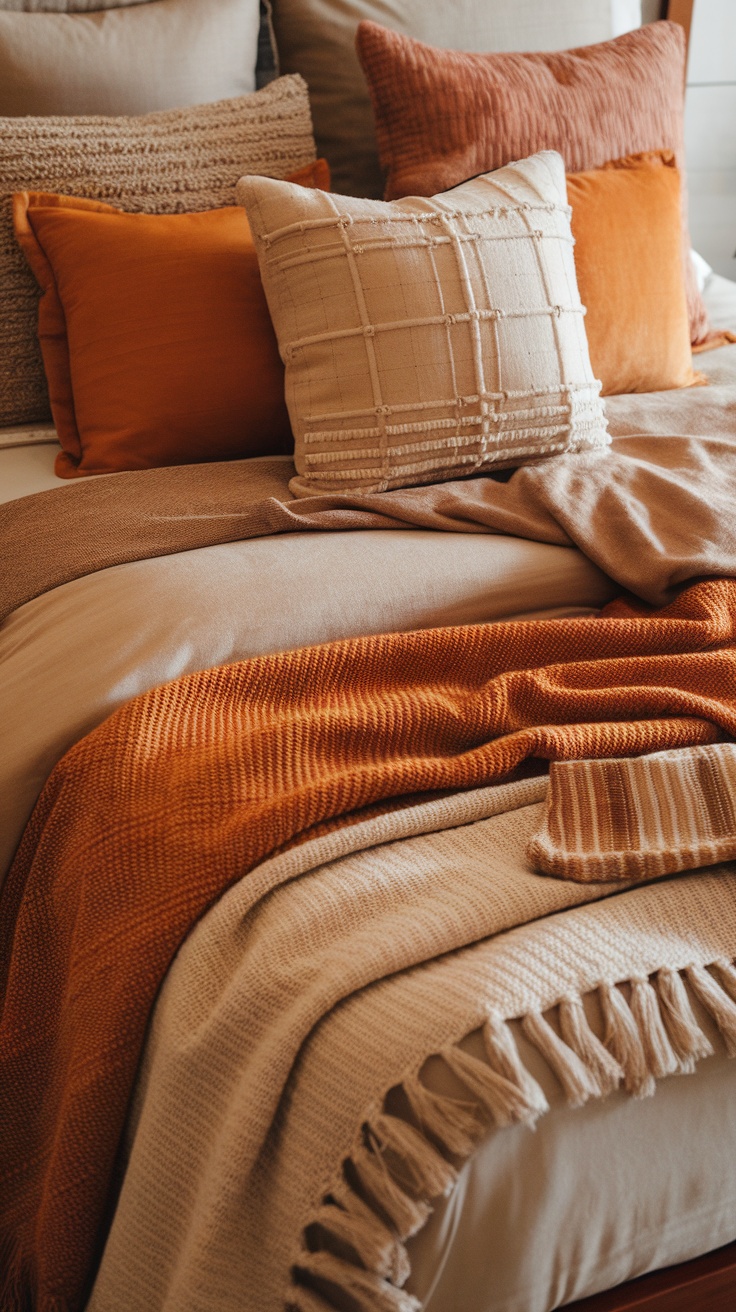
(147, 820)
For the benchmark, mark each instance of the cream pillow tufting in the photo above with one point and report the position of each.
(425, 339)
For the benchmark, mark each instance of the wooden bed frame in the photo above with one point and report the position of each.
(708, 1283)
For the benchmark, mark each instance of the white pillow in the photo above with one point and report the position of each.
(165, 54)
(425, 339)
(702, 268)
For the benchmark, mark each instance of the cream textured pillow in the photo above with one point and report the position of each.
(165, 163)
(133, 60)
(427, 339)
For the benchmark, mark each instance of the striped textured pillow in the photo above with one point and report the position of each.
(427, 339)
(639, 818)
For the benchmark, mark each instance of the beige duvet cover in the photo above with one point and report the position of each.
(522, 1232)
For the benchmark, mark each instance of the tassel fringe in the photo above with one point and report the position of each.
(687, 1038)
(660, 1058)
(623, 1041)
(715, 1000)
(578, 1083)
(457, 1126)
(600, 1064)
(400, 1168)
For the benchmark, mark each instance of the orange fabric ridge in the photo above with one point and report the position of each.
(444, 115)
(155, 334)
(626, 221)
(187, 788)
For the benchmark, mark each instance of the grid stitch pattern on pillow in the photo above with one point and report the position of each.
(167, 162)
(427, 339)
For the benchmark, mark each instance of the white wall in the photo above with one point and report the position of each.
(710, 133)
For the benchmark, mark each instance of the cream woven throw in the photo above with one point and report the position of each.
(639, 817)
(261, 1106)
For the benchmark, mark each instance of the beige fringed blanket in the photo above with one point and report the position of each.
(263, 1156)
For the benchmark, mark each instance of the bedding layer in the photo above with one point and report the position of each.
(123, 630)
(181, 791)
(654, 512)
(232, 1191)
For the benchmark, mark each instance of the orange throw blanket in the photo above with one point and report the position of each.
(184, 790)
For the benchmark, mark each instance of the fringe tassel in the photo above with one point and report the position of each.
(367, 1290)
(579, 1036)
(377, 1247)
(400, 1169)
(577, 1082)
(504, 1101)
(728, 977)
(454, 1124)
(721, 1007)
(503, 1056)
(429, 1173)
(687, 1038)
(407, 1214)
(623, 1040)
(660, 1057)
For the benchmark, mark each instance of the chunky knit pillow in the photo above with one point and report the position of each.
(165, 163)
(427, 339)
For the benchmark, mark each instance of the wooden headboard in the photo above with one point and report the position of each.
(680, 11)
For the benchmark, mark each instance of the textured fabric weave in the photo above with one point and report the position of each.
(403, 972)
(317, 39)
(165, 163)
(156, 337)
(442, 116)
(639, 818)
(185, 789)
(427, 339)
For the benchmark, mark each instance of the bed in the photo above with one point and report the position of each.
(601, 1193)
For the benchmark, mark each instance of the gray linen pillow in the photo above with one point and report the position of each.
(131, 60)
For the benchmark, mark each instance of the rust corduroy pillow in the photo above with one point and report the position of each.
(156, 337)
(627, 230)
(443, 115)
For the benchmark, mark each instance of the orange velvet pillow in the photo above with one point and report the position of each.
(627, 228)
(155, 333)
(444, 115)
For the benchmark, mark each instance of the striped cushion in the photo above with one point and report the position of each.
(641, 817)
(426, 339)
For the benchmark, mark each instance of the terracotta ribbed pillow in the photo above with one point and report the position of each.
(427, 339)
(627, 229)
(165, 163)
(155, 332)
(443, 115)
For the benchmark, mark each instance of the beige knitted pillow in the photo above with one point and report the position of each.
(162, 163)
(427, 339)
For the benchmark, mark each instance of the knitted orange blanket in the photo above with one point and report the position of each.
(184, 790)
